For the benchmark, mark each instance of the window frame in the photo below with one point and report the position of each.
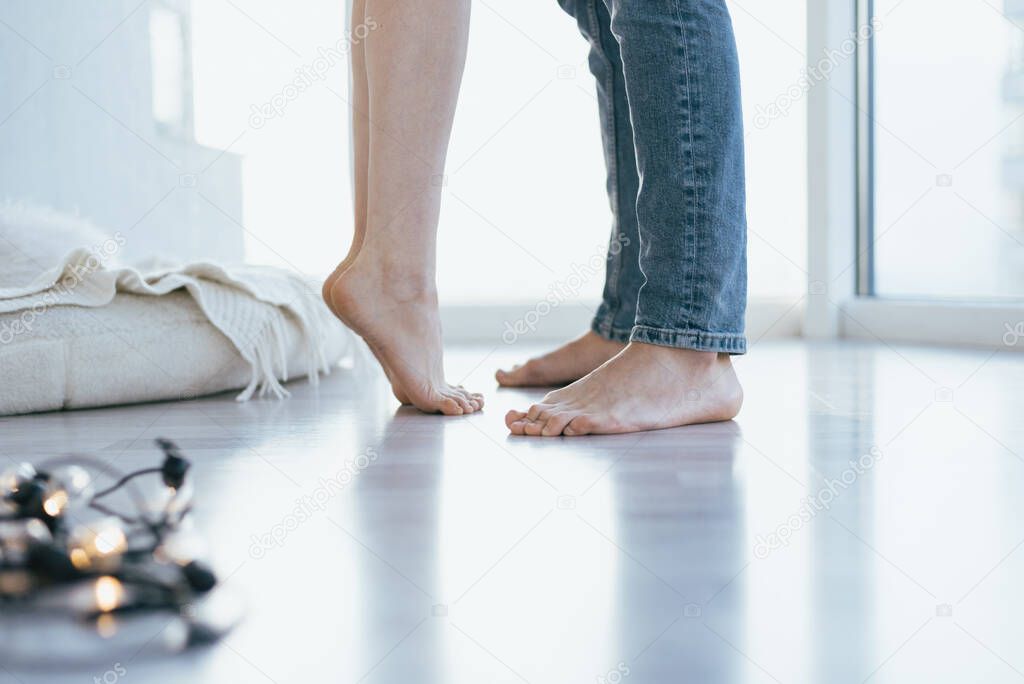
(865, 280)
(841, 208)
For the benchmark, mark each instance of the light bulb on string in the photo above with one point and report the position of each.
(56, 500)
(99, 544)
(73, 479)
(12, 477)
(65, 485)
(98, 596)
(108, 592)
(13, 481)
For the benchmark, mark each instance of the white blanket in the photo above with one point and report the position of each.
(259, 309)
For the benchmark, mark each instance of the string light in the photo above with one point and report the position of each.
(13, 477)
(101, 543)
(73, 479)
(114, 563)
(79, 558)
(109, 592)
(55, 502)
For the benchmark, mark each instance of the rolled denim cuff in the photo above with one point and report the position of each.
(699, 340)
(605, 328)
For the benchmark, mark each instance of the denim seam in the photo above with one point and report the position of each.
(605, 327)
(695, 212)
(700, 340)
(615, 273)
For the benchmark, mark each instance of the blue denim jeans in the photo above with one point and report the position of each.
(668, 94)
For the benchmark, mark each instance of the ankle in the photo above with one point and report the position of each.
(597, 338)
(400, 280)
(406, 284)
(693, 358)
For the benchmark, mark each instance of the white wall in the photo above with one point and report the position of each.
(78, 133)
(525, 196)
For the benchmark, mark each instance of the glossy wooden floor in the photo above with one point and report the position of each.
(751, 551)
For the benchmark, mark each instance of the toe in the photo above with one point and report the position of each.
(513, 417)
(449, 407)
(517, 376)
(580, 425)
(475, 401)
(519, 427)
(538, 412)
(462, 401)
(533, 428)
(508, 378)
(556, 424)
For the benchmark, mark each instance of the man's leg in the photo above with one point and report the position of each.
(614, 320)
(682, 82)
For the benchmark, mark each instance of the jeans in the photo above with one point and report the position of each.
(669, 100)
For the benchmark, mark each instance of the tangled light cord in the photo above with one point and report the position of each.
(65, 547)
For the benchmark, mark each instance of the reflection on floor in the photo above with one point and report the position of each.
(861, 519)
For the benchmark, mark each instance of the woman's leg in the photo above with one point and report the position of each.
(360, 166)
(387, 293)
(360, 131)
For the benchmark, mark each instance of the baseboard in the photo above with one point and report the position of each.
(528, 323)
(987, 326)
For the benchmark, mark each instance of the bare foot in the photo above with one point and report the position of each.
(568, 363)
(644, 387)
(400, 323)
(326, 290)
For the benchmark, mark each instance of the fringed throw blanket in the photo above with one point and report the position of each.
(250, 305)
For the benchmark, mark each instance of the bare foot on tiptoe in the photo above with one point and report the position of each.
(644, 387)
(400, 323)
(326, 290)
(568, 363)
